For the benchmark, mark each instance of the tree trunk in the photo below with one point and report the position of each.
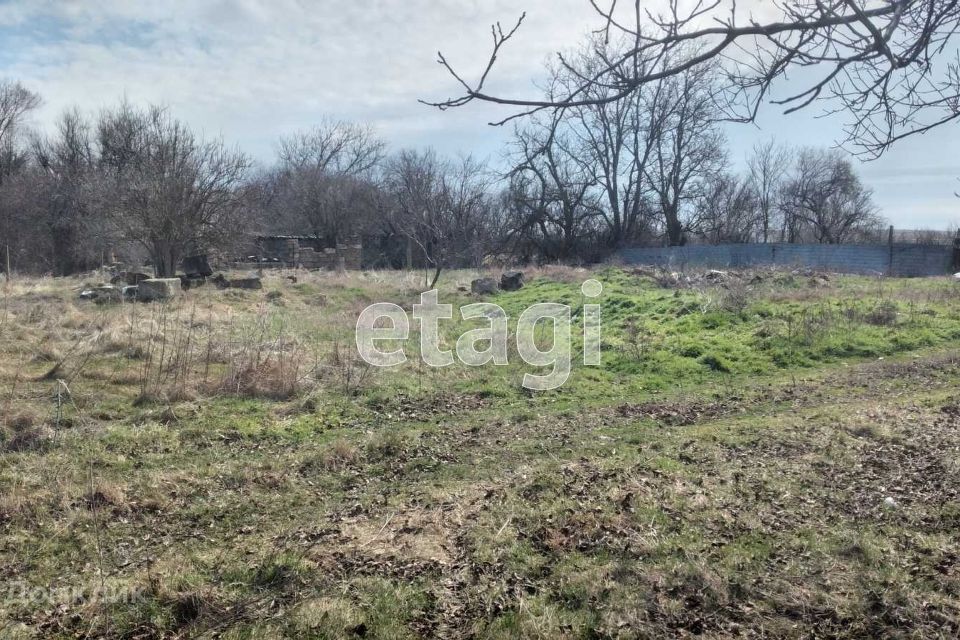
(674, 228)
(436, 277)
(164, 261)
(63, 252)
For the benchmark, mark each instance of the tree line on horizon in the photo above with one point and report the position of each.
(583, 182)
(623, 146)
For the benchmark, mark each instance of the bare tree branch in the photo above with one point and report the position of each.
(877, 61)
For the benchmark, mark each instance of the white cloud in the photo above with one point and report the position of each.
(281, 64)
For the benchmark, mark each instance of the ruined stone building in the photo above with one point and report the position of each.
(310, 252)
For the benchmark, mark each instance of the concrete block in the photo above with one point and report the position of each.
(158, 289)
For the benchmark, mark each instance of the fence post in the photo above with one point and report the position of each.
(890, 242)
(956, 252)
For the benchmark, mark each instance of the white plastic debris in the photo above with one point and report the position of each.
(890, 503)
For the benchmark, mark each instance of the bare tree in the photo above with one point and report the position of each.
(20, 233)
(882, 63)
(768, 165)
(15, 207)
(616, 142)
(553, 193)
(439, 207)
(628, 168)
(331, 207)
(690, 148)
(167, 190)
(333, 148)
(15, 102)
(324, 183)
(825, 197)
(66, 163)
(728, 211)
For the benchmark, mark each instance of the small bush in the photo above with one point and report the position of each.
(884, 315)
(105, 495)
(639, 341)
(135, 352)
(385, 445)
(24, 432)
(715, 363)
(280, 573)
(668, 279)
(736, 297)
(340, 455)
(346, 369)
(22, 421)
(272, 378)
(691, 351)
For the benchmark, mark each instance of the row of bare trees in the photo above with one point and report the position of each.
(140, 183)
(135, 178)
(804, 195)
(336, 182)
(582, 182)
(653, 167)
(623, 146)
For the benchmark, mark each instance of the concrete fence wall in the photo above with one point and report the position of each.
(903, 260)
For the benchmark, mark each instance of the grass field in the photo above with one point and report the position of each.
(774, 455)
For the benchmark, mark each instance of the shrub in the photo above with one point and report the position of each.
(339, 455)
(715, 363)
(346, 369)
(639, 341)
(884, 315)
(691, 351)
(736, 297)
(385, 445)
(273, 378)
(23, 432)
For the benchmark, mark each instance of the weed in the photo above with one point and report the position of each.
(639, 341)
(736, 297)
(884, 314)
(345, 368)
(339, 455)
(386, 445)
(715, 363)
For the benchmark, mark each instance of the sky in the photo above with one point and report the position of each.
(254, 70)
